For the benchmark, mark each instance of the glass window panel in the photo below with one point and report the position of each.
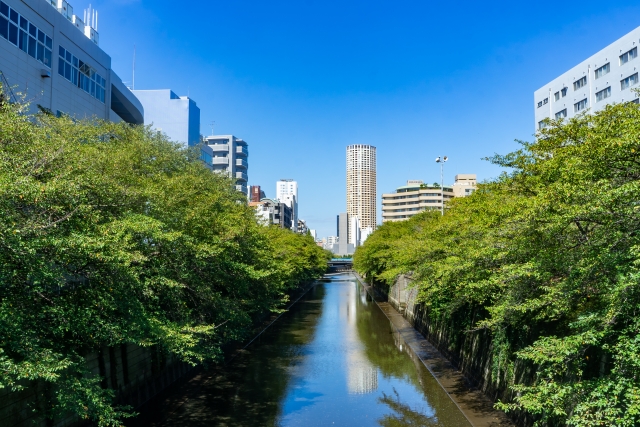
(93, 89)
(60, 67)
(48, 42)
(40, 36)
(47, 57)
(24, 24)
(74, 74)
(40, 53)
(13, 15)
(68, 56)
(61, 51)
(4, 27)
(22, 40)
(13, 33)
(33, 30)
(4, 9)
(67, 71)
(32, 47)
(75, 62)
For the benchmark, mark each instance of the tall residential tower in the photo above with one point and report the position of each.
(361, 186)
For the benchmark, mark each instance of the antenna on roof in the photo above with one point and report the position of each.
(133, 72)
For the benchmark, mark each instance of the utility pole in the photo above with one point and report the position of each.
(442, 160)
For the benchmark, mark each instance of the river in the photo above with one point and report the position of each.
(332, 360)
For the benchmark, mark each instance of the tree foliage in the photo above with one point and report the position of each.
(546, 258)
(110, 234)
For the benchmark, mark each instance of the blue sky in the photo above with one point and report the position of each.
(301, 80)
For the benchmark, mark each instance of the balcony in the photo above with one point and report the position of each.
(220, 161)
(241, 176)
(242, 189)
(220, 148)
(241, 164)
(242, 151)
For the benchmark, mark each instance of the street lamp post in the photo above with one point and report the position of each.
(442, 160)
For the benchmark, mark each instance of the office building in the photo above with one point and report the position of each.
(604, 78)
(287, 192)
(178, 117)
(361, 185)
(413, 198)
(342, 246)
(302, 227)
(228, 155)
(51, 57)
(256, 194)
(271, 211)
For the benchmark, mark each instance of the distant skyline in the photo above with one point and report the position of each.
(299, 81)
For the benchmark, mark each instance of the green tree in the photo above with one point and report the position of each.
(545, 258)
(110, 234)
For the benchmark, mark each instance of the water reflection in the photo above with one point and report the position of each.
(334, 359)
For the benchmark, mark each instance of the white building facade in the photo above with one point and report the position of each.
(287, 193)
(228, 155)
(51, 57)
(361, 187)
(604, 78)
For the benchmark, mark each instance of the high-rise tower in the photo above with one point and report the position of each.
(361, 185)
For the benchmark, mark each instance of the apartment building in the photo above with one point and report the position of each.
(361, 187)
(229, 155)
(51, 57)
(287, 192)
(413, 198)
(604, 78)
(271, 211)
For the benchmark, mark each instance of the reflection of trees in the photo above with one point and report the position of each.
(251, 389)
(379, 341)
(403, 416)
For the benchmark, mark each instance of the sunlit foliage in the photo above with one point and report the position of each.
(110, 234)
(546, 258)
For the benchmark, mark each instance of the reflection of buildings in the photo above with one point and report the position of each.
(362, 376)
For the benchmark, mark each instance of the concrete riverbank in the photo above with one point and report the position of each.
(474, 404)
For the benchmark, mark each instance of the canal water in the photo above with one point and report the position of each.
(333, 360)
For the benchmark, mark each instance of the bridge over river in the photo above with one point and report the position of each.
(334, 359)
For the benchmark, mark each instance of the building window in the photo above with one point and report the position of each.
(580, 83)
(564, 92)
(545, 101)
(603, 94)
(81, 74)
(602, 71)
(628, 56)
(539, 104)
(579, 106)
(556, 96)
(561, 114)
(24, 35)
(629, 81)
(541, 125)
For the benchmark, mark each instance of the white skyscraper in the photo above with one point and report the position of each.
(287, 193)
(361, 186)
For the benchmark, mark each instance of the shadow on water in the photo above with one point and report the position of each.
(333, 359)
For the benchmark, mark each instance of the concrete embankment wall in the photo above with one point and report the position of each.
(135, 373)
(470, 351)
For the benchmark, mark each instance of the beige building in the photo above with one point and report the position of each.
(361, 186)
(465, 184)
(416, 197)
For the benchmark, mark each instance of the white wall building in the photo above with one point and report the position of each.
(604, 78)
(52, 58)
(229, 155)
(178, 117)
(287, 192)
(361, 185)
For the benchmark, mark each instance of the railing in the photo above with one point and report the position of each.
(220, 161)
(219, 147)
(242, 176)
(242, 150)
(241, 163)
